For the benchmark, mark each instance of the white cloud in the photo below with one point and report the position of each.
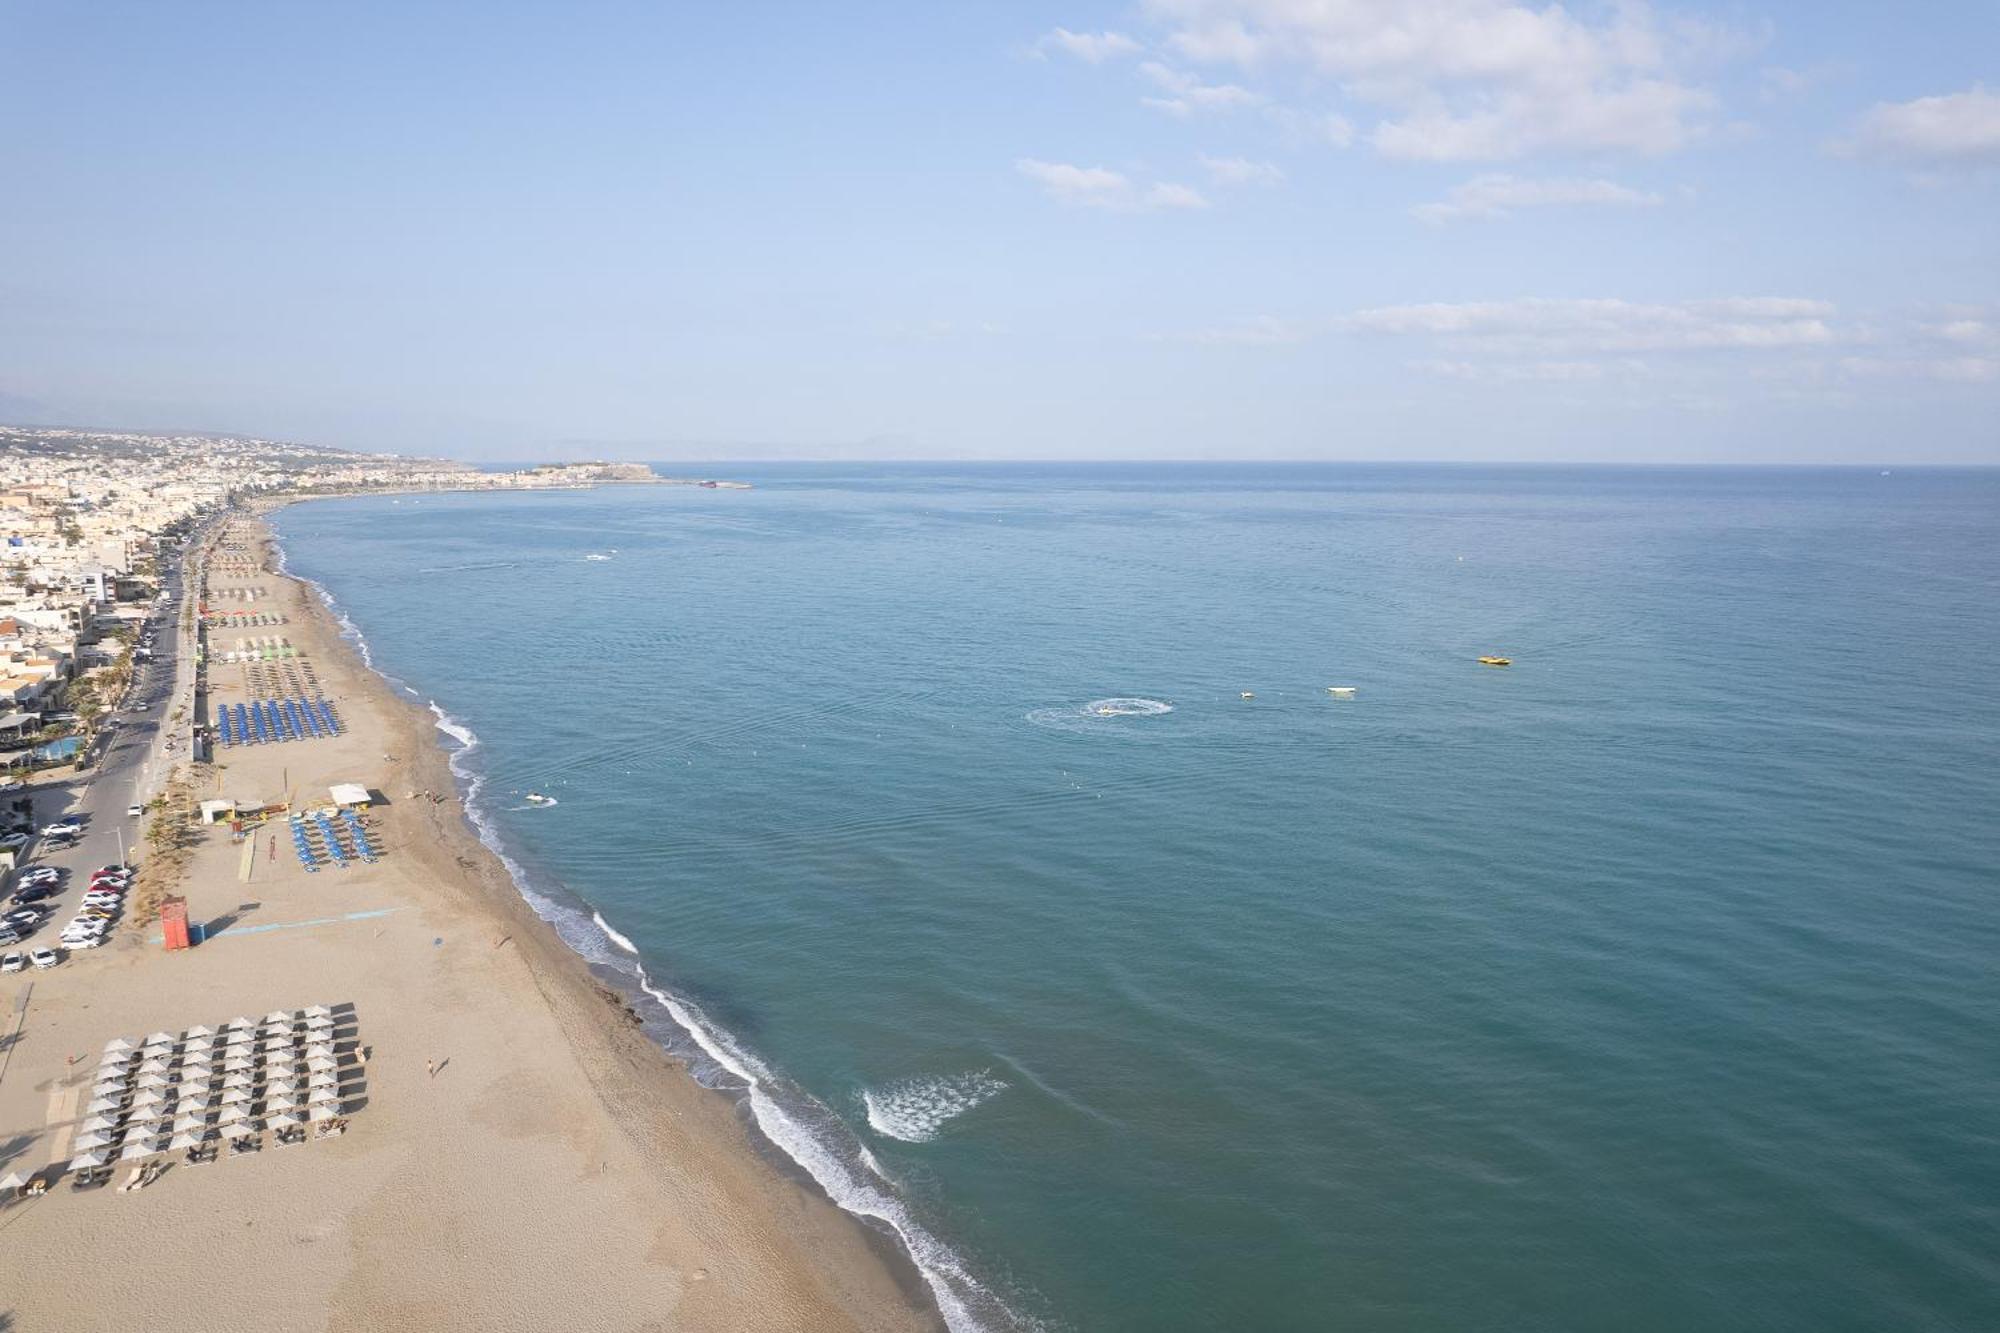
(1240, 171)
(1518, 372)
(1956, 129)
(1499, 195)
(1090, 47)
(1462, 80)
(1189, 94)
(1950, 369)
(1260, 331)
(1544, 328)
(1100, 187)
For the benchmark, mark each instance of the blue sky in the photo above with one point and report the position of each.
(1385, 229)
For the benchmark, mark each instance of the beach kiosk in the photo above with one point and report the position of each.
(351, 795)
(174, 923)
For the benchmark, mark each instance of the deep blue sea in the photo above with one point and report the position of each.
(1650, 983)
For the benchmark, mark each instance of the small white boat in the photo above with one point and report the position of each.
(1341, 691)
(536, 798)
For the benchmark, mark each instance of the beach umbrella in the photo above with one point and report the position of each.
(116, 1059)
(317, 1011)
(118, 1044)
(241, 1036)
(12, 1181)
(184, 1141)
(278, 1016)
(102, 1106)
(236, 1097)
(88, 1161)
(238, 1080)
(200, 1031)
(321, 1064)
(232, 1114)
(148, 1097)
(323, 1095)
(160, 1039)
(136, 1148)
(190, 1123)
(240, 1064)
(240, 1023)
(290, 1120)
(325, 1113)
(92, 1140)
(153, 1081)
(324, 1078)
(98, 1124)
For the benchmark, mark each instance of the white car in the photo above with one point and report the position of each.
(13, 962)
(62, 828)
(135, 811)
(13, 842)
(39, 875)
(44, 958)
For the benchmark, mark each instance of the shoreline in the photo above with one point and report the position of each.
(519, 1152)
(500, 889)
(677, 1032)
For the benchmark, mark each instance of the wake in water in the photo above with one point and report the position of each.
(915, 1109)
(1098, 713)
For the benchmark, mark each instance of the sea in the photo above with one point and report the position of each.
(995, 834)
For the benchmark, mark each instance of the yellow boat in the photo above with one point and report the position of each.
(1496, 661)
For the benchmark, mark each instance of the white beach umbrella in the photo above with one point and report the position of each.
(148, 1097)
(277, 1016)
(88, 1161)
(13, 1180)
(232, 1114)
(321, 1064)
(238, 1080)
(117, 1059)
(239, 1023)
(160, 1039)
(136, 1148)
(188, 1124)
(325, 1113)
(239, 1064)
(317, 1011)
(237, 1097)
(103, 1106)
(289, 1120)
(118, 1044)
(184, 1141)
(198, 1030)
(153, 1081)
(240, 1036)
(324, 1078)
(92, 1140)
(98, 1124)
(324, 1095)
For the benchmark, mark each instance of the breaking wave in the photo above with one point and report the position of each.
(915, 1109)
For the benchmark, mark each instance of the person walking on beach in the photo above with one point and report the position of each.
(431, 1068)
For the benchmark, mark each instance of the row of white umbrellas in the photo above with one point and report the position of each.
(165, 1115)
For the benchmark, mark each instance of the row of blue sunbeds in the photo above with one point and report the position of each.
(269, 720)
(322, 840)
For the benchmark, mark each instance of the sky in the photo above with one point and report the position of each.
(1190, 229)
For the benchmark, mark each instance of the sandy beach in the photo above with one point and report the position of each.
(556, 1170)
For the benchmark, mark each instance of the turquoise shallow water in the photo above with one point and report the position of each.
(1647, 984)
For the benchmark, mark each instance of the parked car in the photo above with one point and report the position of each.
(117, 882)
(113, 869)
(13, 842)
(40, 875)
(44, 958)
(13, 962)
(34, 893)
(8, 935)
(23, 918)
(63, 828)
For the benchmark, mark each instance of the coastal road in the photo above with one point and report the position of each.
(136, 748)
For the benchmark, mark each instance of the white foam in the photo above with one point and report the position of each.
(613, 935)
(1098, 714)
(915, 1109)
